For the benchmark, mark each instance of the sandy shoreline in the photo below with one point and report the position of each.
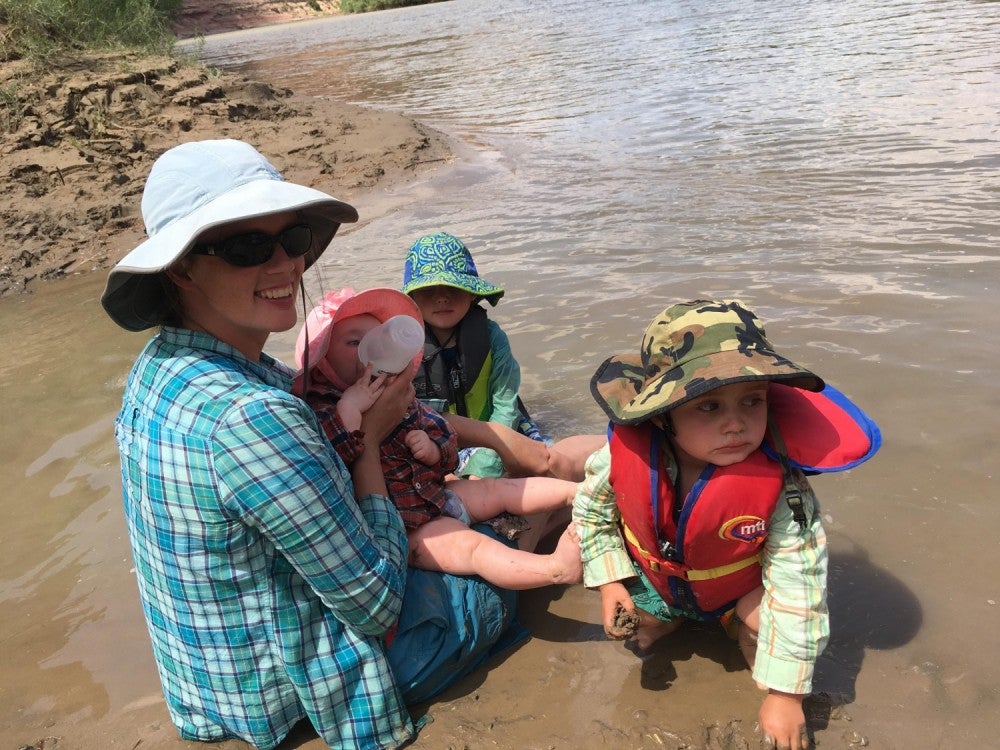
(78, 140)
(82, 137)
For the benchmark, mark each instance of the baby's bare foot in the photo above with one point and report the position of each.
(567, 566)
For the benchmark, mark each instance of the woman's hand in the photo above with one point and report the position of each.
(385, 414)
(377, 423)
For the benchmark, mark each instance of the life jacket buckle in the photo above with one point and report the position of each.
(668, 551)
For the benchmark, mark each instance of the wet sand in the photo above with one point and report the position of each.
(913, 597)
(76, 660)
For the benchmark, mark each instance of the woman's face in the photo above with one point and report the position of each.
(241, 306)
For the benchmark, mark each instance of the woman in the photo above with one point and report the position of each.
(269, 575)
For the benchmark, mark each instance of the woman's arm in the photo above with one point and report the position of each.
(278, 474)
(377, 423)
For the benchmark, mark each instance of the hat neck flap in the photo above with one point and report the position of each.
(824, 431)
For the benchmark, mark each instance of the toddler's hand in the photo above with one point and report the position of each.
(783, 721)
(425, 450)
(614, 596)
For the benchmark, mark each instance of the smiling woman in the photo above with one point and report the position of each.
(225, 473)
(239, 302)
(269, 573)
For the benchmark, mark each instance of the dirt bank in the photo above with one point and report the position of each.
(216, 16)
(78, 138)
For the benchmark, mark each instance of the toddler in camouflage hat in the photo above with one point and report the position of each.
(699, 508)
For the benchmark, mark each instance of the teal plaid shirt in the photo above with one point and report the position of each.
(266, 587)
(794, 622)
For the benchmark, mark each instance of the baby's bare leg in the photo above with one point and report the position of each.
(486, 498)
(448, 545)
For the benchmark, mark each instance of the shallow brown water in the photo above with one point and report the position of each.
(835, 169)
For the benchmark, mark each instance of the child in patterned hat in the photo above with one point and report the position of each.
(699, 507)
(468, 367)
(421, 452)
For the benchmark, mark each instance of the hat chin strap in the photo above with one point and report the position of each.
(305, 349)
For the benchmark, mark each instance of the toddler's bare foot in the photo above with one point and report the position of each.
(567, 566)
(651, 630)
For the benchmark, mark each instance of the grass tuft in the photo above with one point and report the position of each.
(38, 29)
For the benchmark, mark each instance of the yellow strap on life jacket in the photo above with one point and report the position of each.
(724, 570)
(691, 574)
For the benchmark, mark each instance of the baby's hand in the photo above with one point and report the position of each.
(425, 450)
(365, 391)
(358, 398)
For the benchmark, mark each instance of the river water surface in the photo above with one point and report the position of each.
(836, 165)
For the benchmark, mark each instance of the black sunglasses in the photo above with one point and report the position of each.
(255, 248)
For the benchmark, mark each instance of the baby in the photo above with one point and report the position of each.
(421, 454)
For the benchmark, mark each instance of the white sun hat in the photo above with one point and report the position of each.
(192, 188)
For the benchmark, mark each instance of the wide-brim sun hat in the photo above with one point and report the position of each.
(688, 350)
(381, 303)
(193, 188)
(313, 340)
(441, 259)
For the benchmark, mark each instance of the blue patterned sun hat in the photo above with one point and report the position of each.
(442, 259)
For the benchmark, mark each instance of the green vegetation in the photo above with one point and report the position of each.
(363, 6)
(36, 29)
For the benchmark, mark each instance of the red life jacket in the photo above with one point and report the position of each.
(710, 556)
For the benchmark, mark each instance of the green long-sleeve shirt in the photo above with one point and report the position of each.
(794, 622)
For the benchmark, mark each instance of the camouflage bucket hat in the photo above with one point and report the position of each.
(442, 259)
(688, 350)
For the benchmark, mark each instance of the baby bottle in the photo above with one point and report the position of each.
(391, 346)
